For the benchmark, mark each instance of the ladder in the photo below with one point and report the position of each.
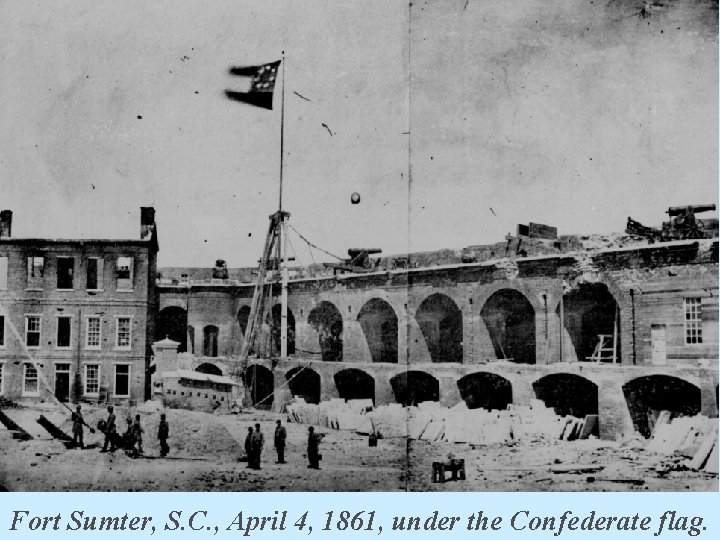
(103, 394)
(604, 350)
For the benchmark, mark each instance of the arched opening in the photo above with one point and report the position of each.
(413, 387)
(354, 384)
(568, 394)
(647, 396)
(589, 312)
(260, 382)
(440, 321)
(379, 323)
(209, 369)
(275, 321)
(172, 323)
(510, 320)
(485, 391)
(210, 341)
(327, 322)
(304, 383)
(243, 315)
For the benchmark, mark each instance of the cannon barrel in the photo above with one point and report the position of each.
(356, 251)
(679, 210)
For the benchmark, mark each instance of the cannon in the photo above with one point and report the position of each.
(683, 224)
(689, 210)
(358, 262)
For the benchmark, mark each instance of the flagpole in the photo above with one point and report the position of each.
(282, 130)
(282, 245)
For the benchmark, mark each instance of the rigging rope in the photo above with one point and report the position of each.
(308, 242)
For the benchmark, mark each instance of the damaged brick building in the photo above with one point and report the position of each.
(622, 329)
(77, 315)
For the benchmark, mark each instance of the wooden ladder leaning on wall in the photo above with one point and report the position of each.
(606, 348)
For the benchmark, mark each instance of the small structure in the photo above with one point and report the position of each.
(456, 468)
(185, 389)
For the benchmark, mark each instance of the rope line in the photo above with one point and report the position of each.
(308, 242)
(287, 383)
(36, 365)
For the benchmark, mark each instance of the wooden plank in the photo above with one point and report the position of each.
(576, 469)
(703, 453)
(633, 481)
(711, 465)
(589, 425)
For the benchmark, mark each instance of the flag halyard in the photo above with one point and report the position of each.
(259, 84)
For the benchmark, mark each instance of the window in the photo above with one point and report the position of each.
(64, 332)
(3, 273)
(35, 270)
(65, 269)
(122, 333)
(124, 273)
(92, 333)
(693, 320)
(32, 331)
(30, 381)
(2, 330)
(122, 380)
(92, 380)
(94, 274)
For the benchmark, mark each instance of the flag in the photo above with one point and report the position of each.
(255, 84)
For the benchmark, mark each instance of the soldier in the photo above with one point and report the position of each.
(280, 437)
(77, 428)
(248, 448)
(257, 442)
(110, 430)
(137, 433)
(163, 434)
(313, 449)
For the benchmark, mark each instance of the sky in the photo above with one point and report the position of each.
(454, 120)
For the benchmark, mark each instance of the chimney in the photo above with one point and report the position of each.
(220, 271)
(147, 222)
(6, 224)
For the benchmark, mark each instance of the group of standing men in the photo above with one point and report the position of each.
(255, 441)
(131, 440)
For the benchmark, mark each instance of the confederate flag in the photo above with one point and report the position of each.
(255, 84)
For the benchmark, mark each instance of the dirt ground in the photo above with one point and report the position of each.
(205, 449)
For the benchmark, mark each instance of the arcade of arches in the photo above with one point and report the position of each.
(507, 317)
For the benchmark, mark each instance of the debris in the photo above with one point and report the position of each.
(633, 481)
(6, 403)
(576, 469)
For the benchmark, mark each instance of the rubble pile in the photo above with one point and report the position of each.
(6, 403)
(430, 421)
(191, 433)
(691, 437)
